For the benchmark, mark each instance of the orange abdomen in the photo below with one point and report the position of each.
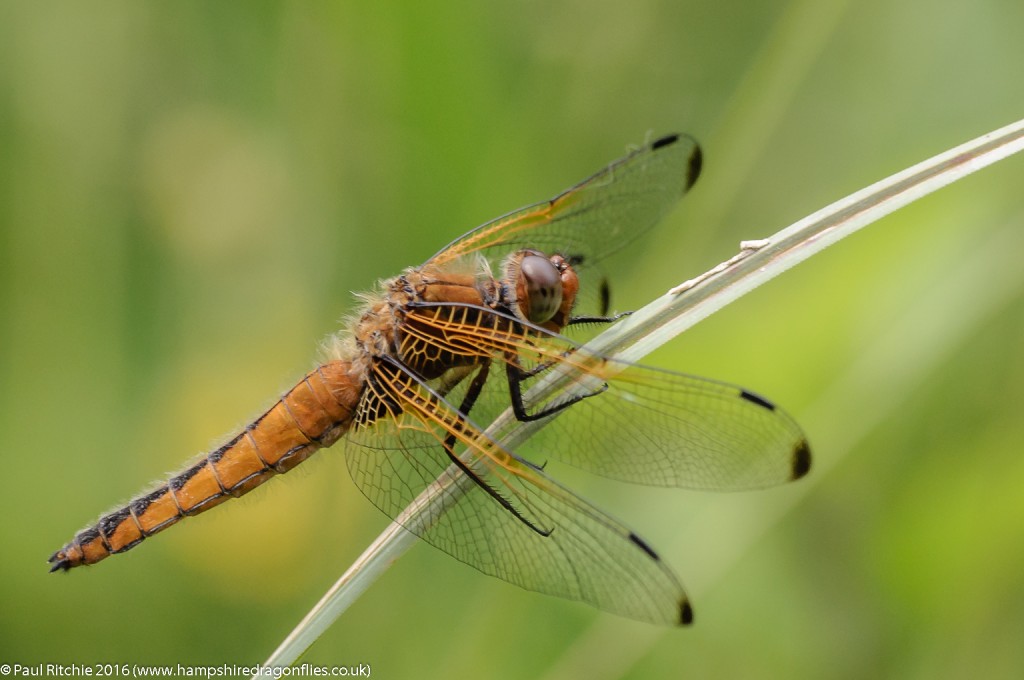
(312, 415)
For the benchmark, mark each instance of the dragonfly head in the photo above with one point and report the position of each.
(544, 288)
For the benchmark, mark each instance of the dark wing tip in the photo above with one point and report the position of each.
(801, 459)
(643, 545)
(693, 167)
(756, 399)
(664, 141)
(605, 293)
(693, 164)
(685, 610)
(685, 613)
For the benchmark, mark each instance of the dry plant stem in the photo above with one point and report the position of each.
(660, 321)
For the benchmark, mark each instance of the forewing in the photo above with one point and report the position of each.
(660, 428)
(597, 216)
(542, 537)
(638, 424)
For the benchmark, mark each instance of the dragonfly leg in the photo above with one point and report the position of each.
(596, 319)
(516, 376)
(472, 394)
(606, 301)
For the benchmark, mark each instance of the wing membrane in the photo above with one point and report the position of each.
(660, 428)
(641, 424)
(597, 216)
(565, 546)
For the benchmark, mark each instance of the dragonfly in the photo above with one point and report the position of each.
(433, 374)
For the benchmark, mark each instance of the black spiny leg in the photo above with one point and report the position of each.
(515, 377)
(603, 317)
(597, 319)
(472, 394)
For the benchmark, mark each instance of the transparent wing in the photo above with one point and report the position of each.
(510, 521)
(654, 427)
(597, 216)
(638, 424)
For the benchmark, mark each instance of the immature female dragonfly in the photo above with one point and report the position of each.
(437, 353)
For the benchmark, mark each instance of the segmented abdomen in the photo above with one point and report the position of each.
(312, 415)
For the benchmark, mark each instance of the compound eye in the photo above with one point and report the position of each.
(543, 288)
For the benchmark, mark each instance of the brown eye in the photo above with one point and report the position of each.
(543, 288)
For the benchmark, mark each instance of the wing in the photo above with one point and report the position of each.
(599, 215)
(638, 424)
(499, 514)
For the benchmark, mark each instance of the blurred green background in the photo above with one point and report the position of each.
(189, 192)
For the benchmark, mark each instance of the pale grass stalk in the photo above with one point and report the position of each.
(660, 321)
